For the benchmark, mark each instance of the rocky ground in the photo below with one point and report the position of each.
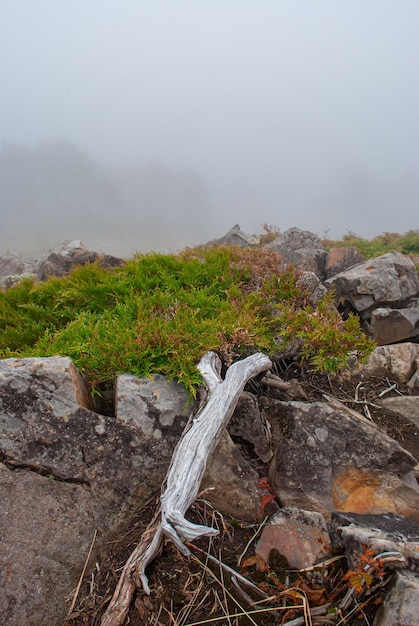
(201, 591)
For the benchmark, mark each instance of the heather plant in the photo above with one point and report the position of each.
(160, 313)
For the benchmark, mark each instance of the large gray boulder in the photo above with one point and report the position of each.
(330, 459)
(67, 471)
(46, 528)
(300, 248)
(388, 280)
(295, 239)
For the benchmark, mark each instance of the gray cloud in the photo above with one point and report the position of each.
(291, 113)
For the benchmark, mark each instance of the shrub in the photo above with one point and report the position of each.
(160, 313)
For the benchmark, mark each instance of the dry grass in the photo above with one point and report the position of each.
(212, 589)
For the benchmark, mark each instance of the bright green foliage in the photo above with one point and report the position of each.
(386, 242)
(327, 340)
(160, 313)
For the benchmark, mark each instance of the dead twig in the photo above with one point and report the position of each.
(386, 391)
(259, 528)
(183, 478)
(76, 593)
(230, 570)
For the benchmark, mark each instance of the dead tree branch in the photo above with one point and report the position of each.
(184, 476)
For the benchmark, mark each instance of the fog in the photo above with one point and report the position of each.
(154, 124)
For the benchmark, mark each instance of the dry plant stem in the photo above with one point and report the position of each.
(230, 570)
(184, 475)
(259, 528)
(76, 593)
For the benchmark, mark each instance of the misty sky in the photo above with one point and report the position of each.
(287, 112)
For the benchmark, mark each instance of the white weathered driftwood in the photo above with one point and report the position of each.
(184, 475)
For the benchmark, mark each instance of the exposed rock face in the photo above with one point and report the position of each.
(340, 259)
(390, 279)
(393, 325)
(61, 260)
(328, 459)
(45, 429)
(301, 537)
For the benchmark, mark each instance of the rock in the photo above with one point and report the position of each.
(13, 266)
(13, 270)
(235, 237)
(44, 429)
(340, 259)
(329, 459)
(156, 410)
(300, 537)
(46, 528)
(10, 281)
(70, 254)
(301, 249)
(230, 484)
(295, 239)
(397, 362)
(311, 284)
(405, 406)
(381, 533)
(401, 603)
(388, 280)
(394, 325)
(66, 471)
(248, 424)
(305, 259)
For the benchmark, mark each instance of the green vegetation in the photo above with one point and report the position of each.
(160, 313)
(386, 242)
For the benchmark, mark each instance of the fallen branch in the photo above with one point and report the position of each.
(184, 476)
